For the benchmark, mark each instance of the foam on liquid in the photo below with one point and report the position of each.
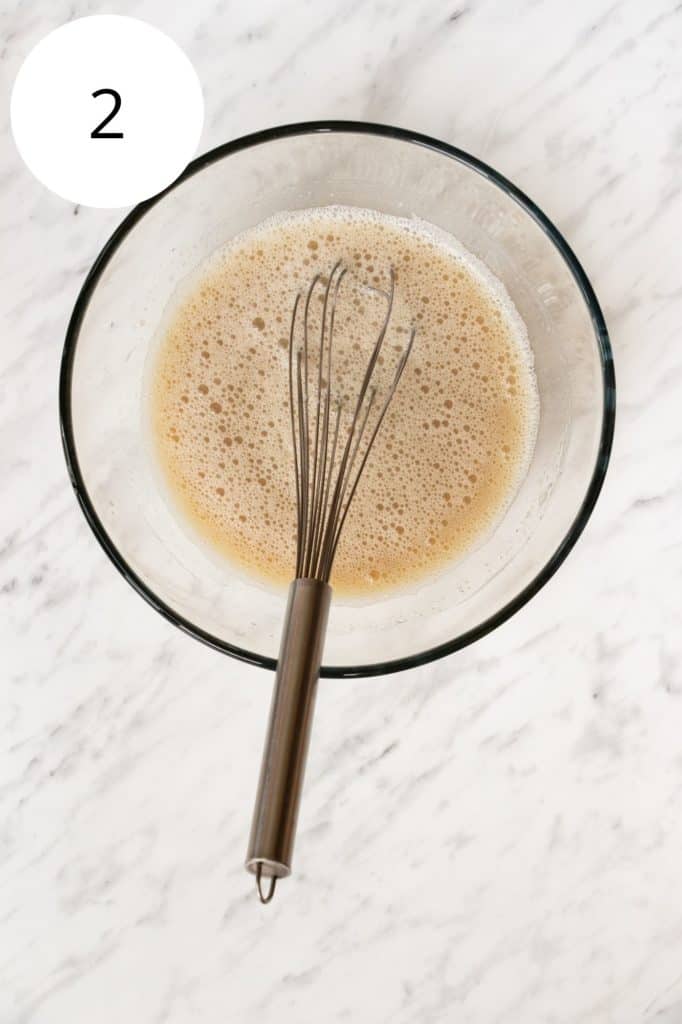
(456, 441)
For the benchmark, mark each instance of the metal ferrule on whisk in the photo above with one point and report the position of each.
(328, 463)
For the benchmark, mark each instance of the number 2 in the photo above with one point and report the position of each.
(97, 132)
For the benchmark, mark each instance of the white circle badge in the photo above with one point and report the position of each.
(107, 111)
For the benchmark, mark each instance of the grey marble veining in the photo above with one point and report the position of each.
(494, 837)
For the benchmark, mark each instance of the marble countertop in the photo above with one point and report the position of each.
(494, 837)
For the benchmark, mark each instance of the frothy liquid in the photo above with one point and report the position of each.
(456, 441)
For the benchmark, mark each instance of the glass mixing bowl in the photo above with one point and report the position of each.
(233, 188)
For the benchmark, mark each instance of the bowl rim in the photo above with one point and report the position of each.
(444, 149)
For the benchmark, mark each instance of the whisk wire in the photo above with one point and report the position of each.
(305, 440)
(320, 466)
(378, 345)
(343, 480)
(324, 490)
(375, 431)
(297, 474)
(354, 440)
(326, 494)
(329, 463)
(315, 447)
(303, 457)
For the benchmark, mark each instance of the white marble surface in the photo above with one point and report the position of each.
(496, 837)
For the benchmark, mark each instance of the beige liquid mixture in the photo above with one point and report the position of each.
(456, 441)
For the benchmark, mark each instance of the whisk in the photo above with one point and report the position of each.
(329, 461)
